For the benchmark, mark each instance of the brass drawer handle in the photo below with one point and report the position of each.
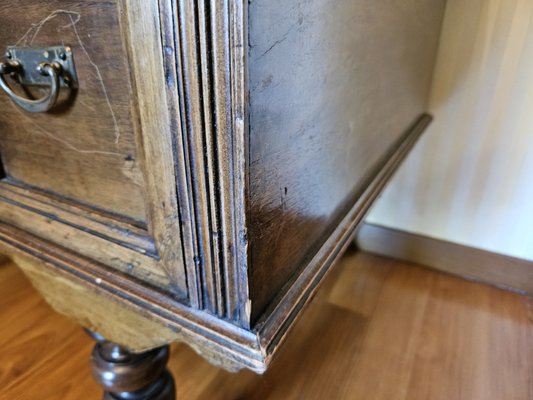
(42, 105)
(52, 67)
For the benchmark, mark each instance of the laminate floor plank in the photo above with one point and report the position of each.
(377, 329)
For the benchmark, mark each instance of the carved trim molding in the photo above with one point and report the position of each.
(204, 47)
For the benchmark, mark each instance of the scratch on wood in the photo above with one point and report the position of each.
(284, 37)
(282, 196)
(100, 78)
(62, 141)
(34, 30)
(39, 26)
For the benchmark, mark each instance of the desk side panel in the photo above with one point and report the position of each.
(332, 86)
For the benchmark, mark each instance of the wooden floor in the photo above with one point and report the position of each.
(378, 329)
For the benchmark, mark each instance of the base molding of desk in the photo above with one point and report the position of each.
(124, 310)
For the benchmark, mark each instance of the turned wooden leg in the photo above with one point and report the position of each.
(131, 376)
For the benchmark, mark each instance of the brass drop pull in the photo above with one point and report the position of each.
(51, 67)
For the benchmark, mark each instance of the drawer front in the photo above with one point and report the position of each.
(84, 149)
(95, 173)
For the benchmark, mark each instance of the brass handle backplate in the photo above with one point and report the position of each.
(51, 67)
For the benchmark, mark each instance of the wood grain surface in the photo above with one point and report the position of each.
(378, 329)
(88, 140)
(332, 86)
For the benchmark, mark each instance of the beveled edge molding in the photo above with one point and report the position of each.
(205, 52)
(470, 263)
(220, 342)
(113, 228)
(273, 328)
(140, 25)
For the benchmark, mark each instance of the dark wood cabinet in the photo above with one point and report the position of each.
(213, 163)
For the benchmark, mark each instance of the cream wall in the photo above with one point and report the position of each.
(470, 179)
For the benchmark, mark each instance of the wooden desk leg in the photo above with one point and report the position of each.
(129, 376)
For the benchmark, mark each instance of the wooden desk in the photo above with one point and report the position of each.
(210, 167)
